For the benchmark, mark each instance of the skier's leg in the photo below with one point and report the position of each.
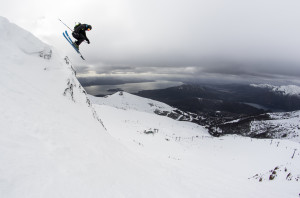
(75, 35)
(80, 39)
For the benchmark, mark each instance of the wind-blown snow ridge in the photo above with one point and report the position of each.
(285, 90)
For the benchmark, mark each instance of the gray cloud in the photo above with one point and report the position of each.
(175, 39)
(109, 80)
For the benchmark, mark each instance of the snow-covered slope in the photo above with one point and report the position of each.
(53, 142)
(230, 166)
(14, 37)
(123, 100)
(281, 125)
(284, 125)
(285, 90)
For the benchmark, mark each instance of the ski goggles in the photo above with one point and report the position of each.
(88, 29)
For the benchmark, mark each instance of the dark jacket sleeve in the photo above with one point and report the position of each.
(86, 38)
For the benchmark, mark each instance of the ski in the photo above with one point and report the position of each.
(67, 37)
(71, 42)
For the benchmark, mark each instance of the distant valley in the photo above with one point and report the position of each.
(216, 106)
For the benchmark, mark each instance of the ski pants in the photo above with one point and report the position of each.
(80, 38)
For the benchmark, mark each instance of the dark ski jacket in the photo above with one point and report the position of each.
(81, 30)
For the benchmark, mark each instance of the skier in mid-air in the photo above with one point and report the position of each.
(79, 34)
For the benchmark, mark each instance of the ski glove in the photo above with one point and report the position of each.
(88, 41)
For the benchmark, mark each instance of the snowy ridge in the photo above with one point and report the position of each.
(14, 37)
(123, 100)
(51, 145)
(127, 101)
(76, 92)
(283, 125)
(50, 141)
(285, 90)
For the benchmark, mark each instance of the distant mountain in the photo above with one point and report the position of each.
(233, 109)
(291, 90)
(284, 125)
(267, 125)
(247, 99)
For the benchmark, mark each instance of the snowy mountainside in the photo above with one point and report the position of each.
(281, 125)
(190, 152)
(285, 90)
(275, 125)
(13, 37)
(53, 144)
(51, 139)
(284, 125)
(124, 100)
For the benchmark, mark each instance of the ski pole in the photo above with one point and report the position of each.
(65, 25)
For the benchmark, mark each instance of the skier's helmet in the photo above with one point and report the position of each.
(88, 27)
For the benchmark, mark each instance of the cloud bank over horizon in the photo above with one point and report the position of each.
(174, 39)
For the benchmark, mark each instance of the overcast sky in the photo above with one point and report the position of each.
(172, 39)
